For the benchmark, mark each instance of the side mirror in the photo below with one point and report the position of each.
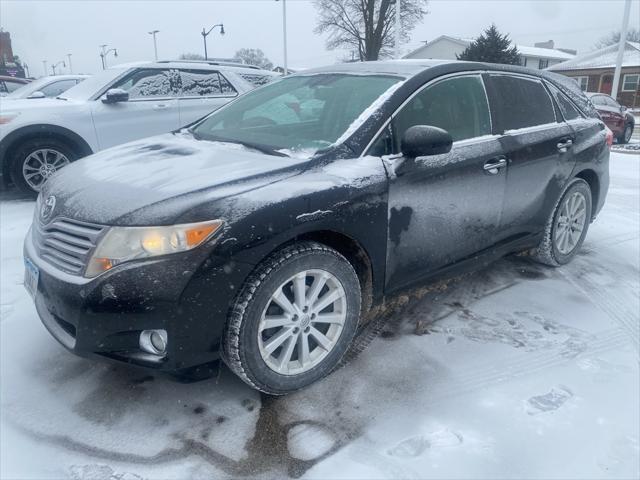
(623, 108)
(37, 94)
(423, 140)
(115, 95)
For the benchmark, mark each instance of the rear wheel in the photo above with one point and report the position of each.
(294, 319)
(567, 226)
(36, 160)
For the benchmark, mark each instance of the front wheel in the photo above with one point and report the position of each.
(567, 226)
(36, 160)
(626, 135)
(294, 319)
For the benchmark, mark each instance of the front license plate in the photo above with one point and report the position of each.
(31, 275)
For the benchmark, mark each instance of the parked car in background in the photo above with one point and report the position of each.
(263, 233)
(46, 87)
(118, 105)
(10, 84)
(619, 120)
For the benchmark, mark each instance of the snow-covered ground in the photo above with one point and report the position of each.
(515, 371)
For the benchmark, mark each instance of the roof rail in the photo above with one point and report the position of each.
(222, 63)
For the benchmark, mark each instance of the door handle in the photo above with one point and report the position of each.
(494, 165)
(564, 145)
(160, 106)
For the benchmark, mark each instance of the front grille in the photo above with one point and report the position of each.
(66, 244)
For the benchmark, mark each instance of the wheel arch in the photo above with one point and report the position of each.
(13, 140)
(591, 177)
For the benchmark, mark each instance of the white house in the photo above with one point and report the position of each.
(446, 47)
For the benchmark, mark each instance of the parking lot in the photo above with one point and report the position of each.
(515, 371)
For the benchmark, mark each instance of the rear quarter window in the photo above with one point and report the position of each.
(257, 80)
(521, 102)
(568, 110)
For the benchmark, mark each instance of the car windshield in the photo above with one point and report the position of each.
(28, 88)
(92, 85)
(299, 115)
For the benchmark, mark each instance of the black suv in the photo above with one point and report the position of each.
(263, 233)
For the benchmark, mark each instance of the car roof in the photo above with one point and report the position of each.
(208, 65)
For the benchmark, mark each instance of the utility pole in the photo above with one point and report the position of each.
(69, 61)
(621, 46)
(206, 33)
(397, 32)
(26, 70)
(155, 45)
(284, 35)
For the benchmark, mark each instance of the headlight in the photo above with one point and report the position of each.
(7, 117)
(122, 244)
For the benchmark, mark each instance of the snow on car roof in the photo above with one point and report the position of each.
(405, 67)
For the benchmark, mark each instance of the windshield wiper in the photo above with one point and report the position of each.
(254, 146)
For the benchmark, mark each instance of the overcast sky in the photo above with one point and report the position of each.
(48, 30)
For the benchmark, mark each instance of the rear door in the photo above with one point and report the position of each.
(537, 143)
(203, 91)
(152, 108)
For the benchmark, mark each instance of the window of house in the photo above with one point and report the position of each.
(522, 102)
(543, 63)
(523, 61)
(630, 83)
(150, 83)
(457, 105)
(204, 83)
(583, 82)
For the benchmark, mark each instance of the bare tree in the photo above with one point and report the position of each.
(633, 35)
(253, 56)
(367, 26)
(191, 56)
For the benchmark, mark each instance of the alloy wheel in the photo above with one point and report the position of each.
(570, 223)
(40, 165)
(302, 322)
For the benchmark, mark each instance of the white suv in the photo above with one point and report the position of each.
(121, 104)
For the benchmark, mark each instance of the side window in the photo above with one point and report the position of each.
(11, 86)
(383, 145)
(522, 102)
(569, 111)
(597, 100)
(54, 89)
(150, 83)
(204, 83)
(457, 105)
(610, 102)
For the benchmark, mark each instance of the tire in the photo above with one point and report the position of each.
(45, 154)
(626, 134)
(246, 346)
(552, 250)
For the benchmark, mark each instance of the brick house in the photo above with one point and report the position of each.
(594, 72)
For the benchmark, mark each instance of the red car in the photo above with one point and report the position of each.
(614, 115)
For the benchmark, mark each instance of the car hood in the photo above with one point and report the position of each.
(22, 104)
(156, 180)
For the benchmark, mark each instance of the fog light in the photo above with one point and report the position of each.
(154, 341)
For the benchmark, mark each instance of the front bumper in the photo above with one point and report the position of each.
(188, 295)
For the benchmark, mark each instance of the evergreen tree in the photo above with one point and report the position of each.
(491, 47)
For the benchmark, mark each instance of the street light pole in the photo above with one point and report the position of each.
(621, 47)
(44, 64)
(155, 45)
(26, 69)
(205, 34)
(55, 65)
(104, 53)
(69, 59)
(284, 34)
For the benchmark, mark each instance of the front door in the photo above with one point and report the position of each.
(152, 108)
(447, 207)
